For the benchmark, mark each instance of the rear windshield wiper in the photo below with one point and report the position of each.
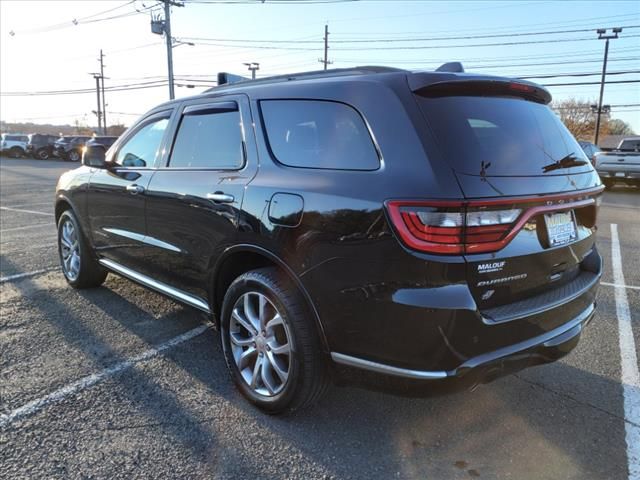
(567, 161)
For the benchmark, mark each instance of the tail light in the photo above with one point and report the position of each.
(454, 227)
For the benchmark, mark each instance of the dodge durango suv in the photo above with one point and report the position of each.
(416, 232)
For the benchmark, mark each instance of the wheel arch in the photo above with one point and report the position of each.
(242, 258)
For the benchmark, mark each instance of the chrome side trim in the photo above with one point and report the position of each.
(386, 369)
(143, 239)
(155, 285)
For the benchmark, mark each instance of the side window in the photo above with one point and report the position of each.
(210, 138)
(141, 150)
(318, 134)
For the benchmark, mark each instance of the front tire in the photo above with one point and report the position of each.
(16, 152)
(608, 184)
(74, 156)
(270, 342)
(79, 266)
(42, 154)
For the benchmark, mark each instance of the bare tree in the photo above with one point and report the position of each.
(579, 118)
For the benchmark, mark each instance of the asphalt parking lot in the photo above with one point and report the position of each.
(119, 382)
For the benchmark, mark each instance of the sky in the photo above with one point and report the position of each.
(53, 46)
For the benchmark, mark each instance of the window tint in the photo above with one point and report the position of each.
(499, 135)
(630, 145)
(318, 134)
(209, 139)
(141, 149)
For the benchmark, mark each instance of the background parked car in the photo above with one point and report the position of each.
(40, 145)
(620, 165)
(70, 148)
(14, 144)
(590, 150)
(104, 141)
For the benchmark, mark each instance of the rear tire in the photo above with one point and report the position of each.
(42, 154)
(16, 152)
(78, 262)
(271, 343)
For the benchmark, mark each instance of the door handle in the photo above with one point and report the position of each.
(221, 197)
(134, 189)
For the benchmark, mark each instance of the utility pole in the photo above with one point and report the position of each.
(97, 76)
(325, 60)
(104, 104)
(602, 35)
(252, 66)
(167, 33)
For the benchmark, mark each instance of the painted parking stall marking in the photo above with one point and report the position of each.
(90, 380)
(629, 361)
(35, 212)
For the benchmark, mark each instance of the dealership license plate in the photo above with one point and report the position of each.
(561, 228)
(619, 174)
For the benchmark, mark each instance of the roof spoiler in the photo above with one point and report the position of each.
(452, 67)
(484, 87)
(225, 78)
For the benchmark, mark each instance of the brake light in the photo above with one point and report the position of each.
(454, 227)
(520, 87)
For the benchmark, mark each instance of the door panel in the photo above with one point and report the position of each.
(116, 195)
(193, 203)
(117, 215)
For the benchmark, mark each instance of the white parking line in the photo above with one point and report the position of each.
(629, 361)
(13, 229)
(18, 276)
(26, 211)
(607, 284)
(22, 205)
(90, 380)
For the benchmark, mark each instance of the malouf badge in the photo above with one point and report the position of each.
(491, 267)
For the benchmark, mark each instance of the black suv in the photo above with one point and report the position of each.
(418, 232)
(40, 145)
(105, 141)
(70, 148)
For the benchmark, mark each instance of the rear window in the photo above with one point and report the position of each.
(496, 136)
(630, 145)
(318, 134)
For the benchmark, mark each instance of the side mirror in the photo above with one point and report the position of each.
(94, 156)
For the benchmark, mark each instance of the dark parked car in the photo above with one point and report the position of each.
(70, 148)
(416, 232)
(590, 150)
(40, 145)
(105, 141)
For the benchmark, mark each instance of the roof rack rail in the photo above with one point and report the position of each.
(453, 67)
(300, 75)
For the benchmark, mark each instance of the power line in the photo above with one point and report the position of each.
(406, 39)
(588, 83)
(623, 72)
(407, 47)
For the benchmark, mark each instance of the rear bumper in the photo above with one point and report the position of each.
(474, 346)
(484, 368)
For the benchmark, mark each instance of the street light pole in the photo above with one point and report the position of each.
(97, 76)
(602, 35)
(252, 66)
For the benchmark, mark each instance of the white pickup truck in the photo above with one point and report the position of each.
(620, 165)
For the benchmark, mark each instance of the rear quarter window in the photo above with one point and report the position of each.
(318, 134)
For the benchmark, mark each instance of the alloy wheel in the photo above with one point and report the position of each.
(70, 250)
(260, 343)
